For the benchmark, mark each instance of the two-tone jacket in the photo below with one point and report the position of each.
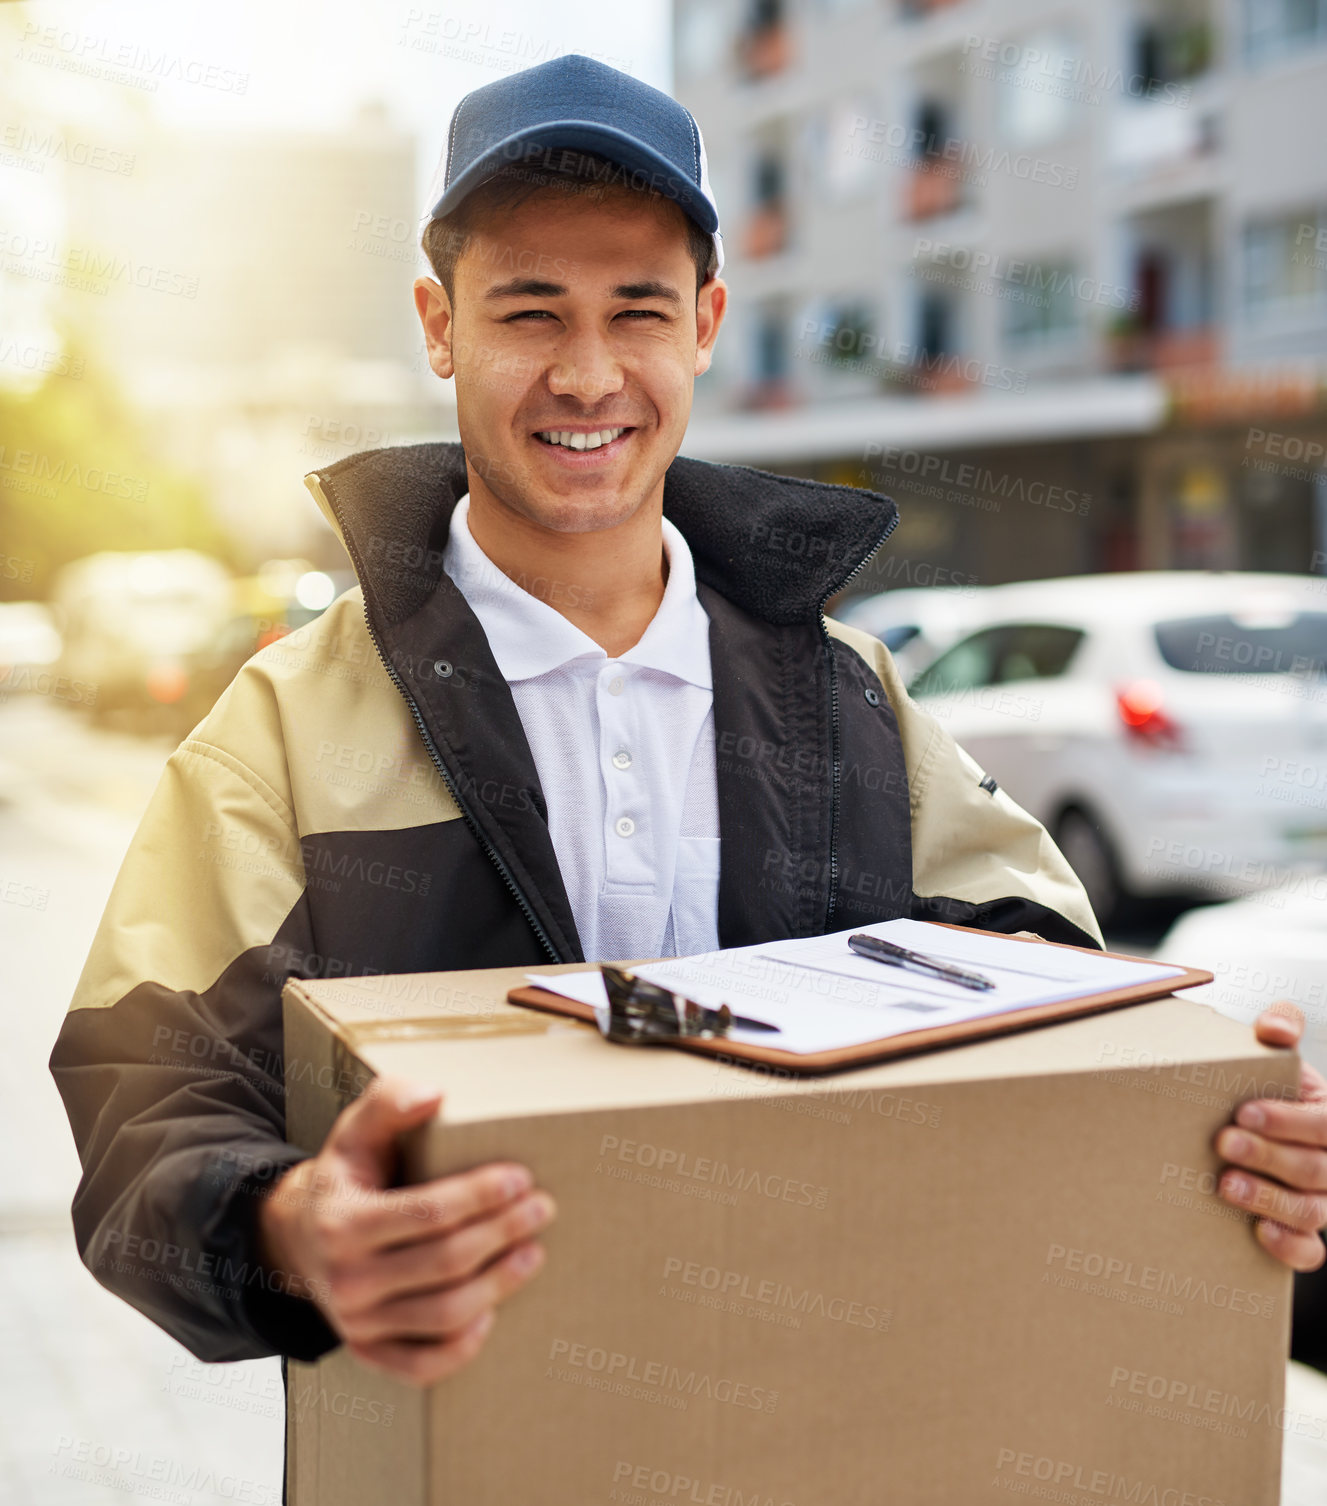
(362, 799)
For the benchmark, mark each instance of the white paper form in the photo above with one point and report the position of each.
(824, 996)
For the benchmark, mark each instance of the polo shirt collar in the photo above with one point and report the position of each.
(529, 637)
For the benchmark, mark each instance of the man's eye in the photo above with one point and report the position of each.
(640, 314)
(528, 314)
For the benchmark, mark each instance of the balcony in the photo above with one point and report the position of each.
(913, 10)
(1164, 350)
(933, 188)
(765, 51)
(766, 232)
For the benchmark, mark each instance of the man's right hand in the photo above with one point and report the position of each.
(409, 1277)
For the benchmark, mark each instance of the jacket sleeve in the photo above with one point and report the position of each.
(170, 1060)
(978, 858)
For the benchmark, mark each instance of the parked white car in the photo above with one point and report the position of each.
(1169, 728)
(914, 623)
(1265, 947)
(29, 645)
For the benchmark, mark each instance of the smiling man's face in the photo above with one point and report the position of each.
(575, 340)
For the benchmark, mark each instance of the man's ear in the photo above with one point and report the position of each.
(711, 304)
(435, 314)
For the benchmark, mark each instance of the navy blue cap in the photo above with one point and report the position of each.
(575, 103)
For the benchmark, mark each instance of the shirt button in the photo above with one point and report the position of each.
(617, 686)
(624, 826)
(622, 760)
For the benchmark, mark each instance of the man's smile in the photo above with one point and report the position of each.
(582, 447)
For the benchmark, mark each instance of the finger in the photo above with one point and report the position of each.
(444, 1313)
(446, 1261)
(363, 1135)
(1304, 1212)
(414, 1215)
(1301, 1167)
(1278, 1119)
(1280, 1024)
(1301, 1252)
(426, 1364)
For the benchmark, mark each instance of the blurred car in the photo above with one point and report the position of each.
(914, 623)
(130, 623)
(29, 646)
(1264, 947)
(282, 596)
(1168, 727)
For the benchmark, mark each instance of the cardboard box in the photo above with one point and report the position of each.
(984, 1273)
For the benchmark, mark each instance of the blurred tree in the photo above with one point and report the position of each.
(79, 473)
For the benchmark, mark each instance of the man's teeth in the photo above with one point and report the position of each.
(578, 441)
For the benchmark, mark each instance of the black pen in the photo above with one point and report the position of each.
(899, 956)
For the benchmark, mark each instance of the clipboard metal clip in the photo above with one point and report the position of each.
(646, 1014)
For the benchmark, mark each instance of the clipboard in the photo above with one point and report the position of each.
(909, 1043)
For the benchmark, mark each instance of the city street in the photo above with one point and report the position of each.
(99, 1406)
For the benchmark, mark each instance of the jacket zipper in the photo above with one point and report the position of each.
(836, 760)
(490, 851)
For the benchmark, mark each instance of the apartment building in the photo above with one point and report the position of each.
(1052, 274)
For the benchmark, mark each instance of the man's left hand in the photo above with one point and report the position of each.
(1282, 1147)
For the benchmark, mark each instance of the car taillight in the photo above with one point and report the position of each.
(1144, 717)
(167, 683)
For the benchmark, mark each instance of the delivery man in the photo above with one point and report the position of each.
(584, 704)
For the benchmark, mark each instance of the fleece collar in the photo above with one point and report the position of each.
(776, 546)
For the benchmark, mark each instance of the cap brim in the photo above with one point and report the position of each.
(645, 167)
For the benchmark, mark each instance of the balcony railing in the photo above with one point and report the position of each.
(1163, 350)
(916, 8)
(766, 232)
(765, 51)
(932, 189)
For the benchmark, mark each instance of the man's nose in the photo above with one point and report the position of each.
(585, 368)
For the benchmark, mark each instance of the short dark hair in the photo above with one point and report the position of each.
(584, 173)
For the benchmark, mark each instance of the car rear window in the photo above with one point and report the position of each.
(1289, 644)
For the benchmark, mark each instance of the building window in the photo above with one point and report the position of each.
(702, 38)
(1040, 305)
(1276, 28)
(848, 336)
(935, 327)
(771, 349)
(763, 47)
(1285, 263)
(1170, 52)
(840, 150)
(1034, 93)
(767, 225)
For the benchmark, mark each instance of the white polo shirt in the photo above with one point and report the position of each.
(624, 749)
